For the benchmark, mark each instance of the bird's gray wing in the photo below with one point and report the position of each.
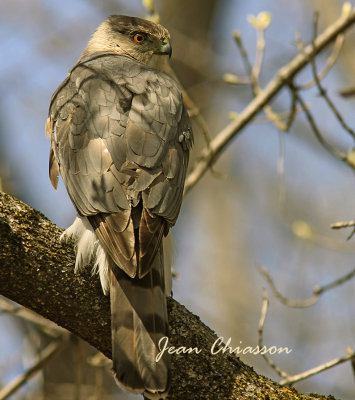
(81, 127)
(121, 137)
(159, 138)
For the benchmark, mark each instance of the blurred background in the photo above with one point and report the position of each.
(247, 214)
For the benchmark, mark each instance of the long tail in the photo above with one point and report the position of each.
(138, 321)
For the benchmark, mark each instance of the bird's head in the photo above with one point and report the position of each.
(135, 37)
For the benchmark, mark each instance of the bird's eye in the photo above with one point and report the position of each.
(139, 38)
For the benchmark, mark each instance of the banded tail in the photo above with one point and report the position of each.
(138, 321)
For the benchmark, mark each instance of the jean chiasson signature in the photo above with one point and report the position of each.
(219, 347)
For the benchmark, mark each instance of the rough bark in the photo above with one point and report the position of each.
(36, 271)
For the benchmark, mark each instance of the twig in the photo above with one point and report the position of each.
(46, 326)
(352, 233)
(348, 92)
(340, 225)
(299, 41)
(332, 149)
(236, 80)
(254, 72)
(259, 56)
(286, 118)
(285, 115)
(304, 375)
(317, 290)
(305, 231)
(338, 45)
(351, 352)
(289, 380)
(283, 78)
(195, 113)
(274, 117)
(260, 336)
(293, 111)
(244, 54)
(322, 91)
(44, 357)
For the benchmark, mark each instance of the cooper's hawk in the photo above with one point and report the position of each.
(120, 138)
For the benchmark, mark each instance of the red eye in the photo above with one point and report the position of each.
(139, 38)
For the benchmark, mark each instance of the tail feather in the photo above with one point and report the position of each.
(138, 321)
(138, 311)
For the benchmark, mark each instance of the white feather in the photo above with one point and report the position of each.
(88, 248)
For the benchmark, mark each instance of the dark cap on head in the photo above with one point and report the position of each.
(129, 25)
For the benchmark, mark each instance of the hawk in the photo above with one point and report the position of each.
(120, 138)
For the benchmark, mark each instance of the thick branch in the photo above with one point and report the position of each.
(37, 272)
(283, 78)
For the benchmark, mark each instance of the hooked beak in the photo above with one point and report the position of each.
(165, 49)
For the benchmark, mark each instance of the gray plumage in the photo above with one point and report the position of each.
(120, 138)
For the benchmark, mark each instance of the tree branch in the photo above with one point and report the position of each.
(316, 370)
(36, 270)
(283, 78)
(44, 358)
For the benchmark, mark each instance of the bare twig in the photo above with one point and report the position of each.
(286, 118)
(348, 92)
(322, 91)
(259, 55)
(44, 324)
(282, 79)
(244, 54)
(299, 42)
(236, 80)
(352, 233)
(317, 290)
(195, 113)
(351, 352)
(260, 336)
(254, 70)
(293, 112)
(289, 380)
(305, 231)
(329, 64)
(340, 225)
(43, 359)
(332, 149)
(307, 374)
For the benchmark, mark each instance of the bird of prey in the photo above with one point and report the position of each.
(120, 138)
